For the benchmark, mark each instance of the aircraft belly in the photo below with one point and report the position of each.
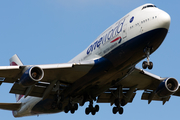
(44, 106)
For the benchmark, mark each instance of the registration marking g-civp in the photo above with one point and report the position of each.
(116, 39)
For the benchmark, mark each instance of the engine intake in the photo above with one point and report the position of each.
(31, 76)
(167, 87)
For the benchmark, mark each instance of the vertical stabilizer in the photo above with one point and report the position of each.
(15, 61)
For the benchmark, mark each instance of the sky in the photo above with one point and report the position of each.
(55, 31)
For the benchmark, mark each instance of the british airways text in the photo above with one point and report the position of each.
(112, 33)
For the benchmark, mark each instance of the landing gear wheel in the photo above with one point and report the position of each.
(70, 107)
(145, 64)
(93, 112)
(123, 102)
(66, 110)
(97, 108)
(72, 111)
(121, 110)
(87, 111)
(150, 66)
(91, 109)
(115, 110)
(76, 106)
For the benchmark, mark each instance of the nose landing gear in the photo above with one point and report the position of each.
(147, 64)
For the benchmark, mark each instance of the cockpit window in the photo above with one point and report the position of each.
(147, 6)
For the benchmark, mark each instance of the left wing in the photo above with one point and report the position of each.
(155, 88)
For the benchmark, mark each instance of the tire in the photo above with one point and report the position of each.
(93, 112)
(87, 111)
(123, 102)
(66, 110)
(97, 108)
(144, 65)
(115, 110)
(150, 65)
(72, 111)
(76, 106)
(121, 110)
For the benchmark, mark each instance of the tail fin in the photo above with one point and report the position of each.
(15, 61)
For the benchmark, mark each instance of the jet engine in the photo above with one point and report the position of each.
(31, 76)
(167, 87)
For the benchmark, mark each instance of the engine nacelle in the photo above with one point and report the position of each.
(167, 87)
(31, 76)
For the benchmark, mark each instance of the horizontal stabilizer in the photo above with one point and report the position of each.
(10, 106)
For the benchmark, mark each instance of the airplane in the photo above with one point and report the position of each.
(105, 72)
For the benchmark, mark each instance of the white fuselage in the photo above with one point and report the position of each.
(142, 21)
(135, 23)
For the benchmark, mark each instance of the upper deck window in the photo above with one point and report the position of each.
(147, 6)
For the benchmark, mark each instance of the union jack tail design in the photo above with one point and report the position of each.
(15, 61)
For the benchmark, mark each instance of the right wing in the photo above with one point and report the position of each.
(137, 79)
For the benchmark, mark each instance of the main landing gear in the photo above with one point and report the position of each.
(118, 108)
(91, 109)
(71, 107)
(147, 64)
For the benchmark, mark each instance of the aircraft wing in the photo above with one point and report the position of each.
(65, 73)
(10, 106)
(135, 80)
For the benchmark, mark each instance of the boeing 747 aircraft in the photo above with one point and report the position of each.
(104, 72)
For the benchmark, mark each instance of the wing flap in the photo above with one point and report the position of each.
(108, 98)
(37, 91)
(146, 96)
(10, 106)
(142, 78)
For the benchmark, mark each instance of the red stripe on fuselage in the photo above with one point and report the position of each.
(115, 39)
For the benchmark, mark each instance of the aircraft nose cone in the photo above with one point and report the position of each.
(164, 20)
